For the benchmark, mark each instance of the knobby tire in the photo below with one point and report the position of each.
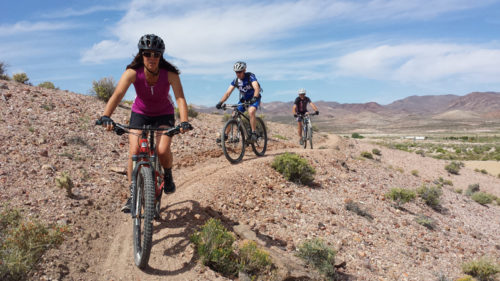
(259, 147)
(145, 212)
(231, 142)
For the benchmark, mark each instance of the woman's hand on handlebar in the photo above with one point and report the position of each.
(185, 126)
(106, 122)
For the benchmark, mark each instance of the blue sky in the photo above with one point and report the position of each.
(345, 51)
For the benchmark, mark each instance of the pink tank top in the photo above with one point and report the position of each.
(152, 100)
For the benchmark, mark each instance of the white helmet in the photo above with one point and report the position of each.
(239, 66)
(302, 91)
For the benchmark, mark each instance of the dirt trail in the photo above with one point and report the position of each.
(171, 257)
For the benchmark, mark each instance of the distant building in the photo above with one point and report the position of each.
(415, 138)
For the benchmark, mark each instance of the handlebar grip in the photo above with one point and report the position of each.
(98, 122)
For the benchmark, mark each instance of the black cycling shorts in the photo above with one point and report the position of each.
(138, 120)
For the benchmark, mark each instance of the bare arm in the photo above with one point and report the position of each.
(313, 106)
(128, 77)
(256, 88)
(294, 110)
(227, 94)
(175, 81)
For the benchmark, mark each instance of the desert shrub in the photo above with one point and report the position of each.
(315, 252)
(420, 152)
(430, 195)
(191, 112)
(21, 78)
(314, 128)
(103, 88)
(214, 246)
(426, 221)
(401, 195)
(3, 71)
(48, 106)
(466, 278)
(47, 85)
(355, 208)
(459, 190)
(414, 172)
(65, 182)
(367, 155)
(483, 171)
(473, 188)
(484, 269)
(454, 167)
(280, 137)
(226, 117)
(498, 201)
(23, 242)
(377, 151)
(357, 136)
(294, 168)
(482, 198)
(253, 260)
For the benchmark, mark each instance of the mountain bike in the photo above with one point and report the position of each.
(307, 132)
(147, 187)
(235, 136)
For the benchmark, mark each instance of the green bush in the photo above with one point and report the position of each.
(482, 198)
(3, 71)
(23, 242)
(466, 278)
(401, 195)
(426, 221)
(430, 195)
(377, 151)
(315, 252)
(459, 190)
(65, 182)
(473, 188)
(484, 269)
(47, 85)
(367, 155)
(414, 172)
(253, 260)
(420, 152)
(454, 167)
(357, 136)
(483, 171)
(103, 88)
(214, 246)
(191, 112)
(21, 78)
(294, 168)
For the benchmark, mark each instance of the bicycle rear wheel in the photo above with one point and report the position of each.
(259, 147)
(233, 141)
(143, 218)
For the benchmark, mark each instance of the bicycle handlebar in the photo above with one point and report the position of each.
(298, 114)
(120, 129)
(224, 106)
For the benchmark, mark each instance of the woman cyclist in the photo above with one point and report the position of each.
(152, 77)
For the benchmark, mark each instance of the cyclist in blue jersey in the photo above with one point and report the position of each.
(250, 90)
(300, 108)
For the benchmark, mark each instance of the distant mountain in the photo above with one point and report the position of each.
(477, 102)
(422, 104)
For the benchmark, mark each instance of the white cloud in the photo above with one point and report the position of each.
(421, 62)
(66, 13)
(209, 34)
(26, 26)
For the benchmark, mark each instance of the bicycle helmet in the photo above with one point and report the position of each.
(302, 91)
(239, 66)
(151, 42)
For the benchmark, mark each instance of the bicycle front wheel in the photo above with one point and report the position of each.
(233, 141)
(143, 217)
(259, 147)
(305, 135)
(310, 136)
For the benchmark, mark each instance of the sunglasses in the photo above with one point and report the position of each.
(151, 54)
(241, 71)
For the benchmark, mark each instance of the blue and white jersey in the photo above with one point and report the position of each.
(245, 85)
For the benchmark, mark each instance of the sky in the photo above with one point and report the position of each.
(345, 51)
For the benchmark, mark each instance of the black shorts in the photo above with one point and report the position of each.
(138, 120)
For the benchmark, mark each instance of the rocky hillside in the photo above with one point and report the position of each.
(47, 132)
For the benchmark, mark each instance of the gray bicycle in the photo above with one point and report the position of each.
(235, 136)
(307, 132)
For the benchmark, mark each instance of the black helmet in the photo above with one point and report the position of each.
(151, 42)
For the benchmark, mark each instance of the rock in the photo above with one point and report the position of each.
(119, 170)
(44, 153)
(48, 167)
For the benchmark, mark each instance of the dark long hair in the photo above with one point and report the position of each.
(138, 63)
